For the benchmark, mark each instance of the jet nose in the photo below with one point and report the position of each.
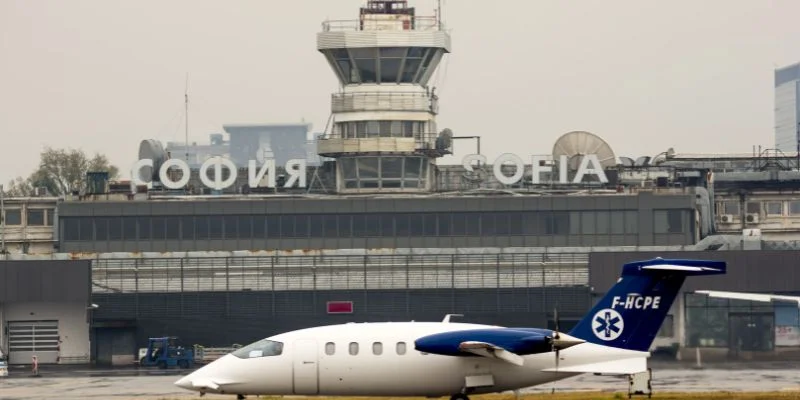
(185, 382)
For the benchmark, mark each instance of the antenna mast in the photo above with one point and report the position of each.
(439, 14)
(186, 106)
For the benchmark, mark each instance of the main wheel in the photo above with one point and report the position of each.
(460, 396)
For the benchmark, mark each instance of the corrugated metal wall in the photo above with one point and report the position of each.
(44, 281)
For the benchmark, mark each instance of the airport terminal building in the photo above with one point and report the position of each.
(375, 229)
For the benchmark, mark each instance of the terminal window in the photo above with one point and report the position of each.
(622, 224)
(13, 217)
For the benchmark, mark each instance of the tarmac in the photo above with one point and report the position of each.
(73, 383)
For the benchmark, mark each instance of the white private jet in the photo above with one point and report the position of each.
(435, 359)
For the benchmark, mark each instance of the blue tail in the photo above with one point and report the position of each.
(631, 313)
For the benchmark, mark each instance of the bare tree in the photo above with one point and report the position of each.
(61, 171)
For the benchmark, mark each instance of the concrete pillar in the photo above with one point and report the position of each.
(680, 323)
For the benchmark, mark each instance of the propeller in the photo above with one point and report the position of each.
(555, 343)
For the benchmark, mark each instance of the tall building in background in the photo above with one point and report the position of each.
(280, 142)
(787, 111)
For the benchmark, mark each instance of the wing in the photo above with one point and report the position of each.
(489, 350)
(749, 296)
(626, 366)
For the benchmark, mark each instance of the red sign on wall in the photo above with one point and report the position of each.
(340, 307)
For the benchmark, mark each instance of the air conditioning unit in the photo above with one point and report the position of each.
(40, 191)
(752, 218)
(726, 218)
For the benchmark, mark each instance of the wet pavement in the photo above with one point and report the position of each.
(73, 383)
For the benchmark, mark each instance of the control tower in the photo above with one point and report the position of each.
(384, 135)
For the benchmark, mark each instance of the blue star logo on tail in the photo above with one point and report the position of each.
(607, 324)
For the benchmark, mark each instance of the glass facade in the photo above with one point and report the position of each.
(387, 172)
(383, 65)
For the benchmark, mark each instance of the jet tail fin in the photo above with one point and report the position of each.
(631, 313)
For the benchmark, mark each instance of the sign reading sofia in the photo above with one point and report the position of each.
(295, 171)
(590, 165)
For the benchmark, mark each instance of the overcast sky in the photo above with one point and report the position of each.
(645, 75)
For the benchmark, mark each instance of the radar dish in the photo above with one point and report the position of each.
(626, 161)
(445, 139)
(153, 150)
(576, 144)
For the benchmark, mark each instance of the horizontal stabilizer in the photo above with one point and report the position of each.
(616, 367)
(491, 351)
(661, 266)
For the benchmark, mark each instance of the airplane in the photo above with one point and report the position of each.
(457, 359)
(762, 297)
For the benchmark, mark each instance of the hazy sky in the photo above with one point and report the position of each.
(644, 74)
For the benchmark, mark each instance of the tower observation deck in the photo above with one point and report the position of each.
(384, 135)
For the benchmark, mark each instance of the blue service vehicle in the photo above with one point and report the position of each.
(163, 353)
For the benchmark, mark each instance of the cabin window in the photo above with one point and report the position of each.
(262, 348)
(353, 348)
(401, 348)
(377, 348)
(330, 348)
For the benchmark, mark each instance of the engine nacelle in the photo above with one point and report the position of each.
(521, 342)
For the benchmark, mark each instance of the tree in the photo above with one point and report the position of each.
(61, 171)
(18, 188)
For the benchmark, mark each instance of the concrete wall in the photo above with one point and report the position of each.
(73, 330)
(30, 225)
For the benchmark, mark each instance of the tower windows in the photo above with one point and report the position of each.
(384, 64)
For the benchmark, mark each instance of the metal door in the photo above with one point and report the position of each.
(750, 332)
(305, 367)
(29, 338)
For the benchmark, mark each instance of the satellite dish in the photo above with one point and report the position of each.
(153, 150)
(626, 161)
(576, 144)
(642, 161)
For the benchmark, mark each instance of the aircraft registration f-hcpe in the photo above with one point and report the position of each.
(436, 359)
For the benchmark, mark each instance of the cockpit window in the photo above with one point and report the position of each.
(262, 348)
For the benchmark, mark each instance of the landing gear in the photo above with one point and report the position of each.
(460, 396)
(239, 397)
